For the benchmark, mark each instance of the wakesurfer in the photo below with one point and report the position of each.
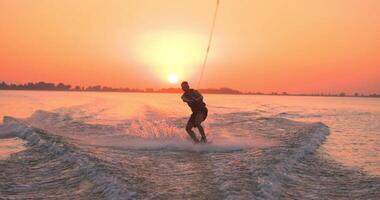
(194, 100)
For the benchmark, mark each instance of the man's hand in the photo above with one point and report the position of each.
(197, 96)
(194, 97)
(188, 100)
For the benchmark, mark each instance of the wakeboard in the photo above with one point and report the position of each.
(204, 143)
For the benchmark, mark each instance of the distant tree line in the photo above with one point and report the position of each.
(63, 87)
(208, 90)
(34, 86)
(98, 88)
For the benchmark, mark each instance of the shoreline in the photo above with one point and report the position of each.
(237, 94)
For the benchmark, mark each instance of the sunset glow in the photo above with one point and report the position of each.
(267, 46)
(189, 99)
(170, 54)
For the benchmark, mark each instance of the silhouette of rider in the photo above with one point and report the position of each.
(199, 111)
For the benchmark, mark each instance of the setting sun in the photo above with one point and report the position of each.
(173, 78)
(171, 55)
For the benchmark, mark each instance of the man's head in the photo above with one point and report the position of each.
(185, 86)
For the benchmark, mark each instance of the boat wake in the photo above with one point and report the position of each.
(140, 134)
(68, 158)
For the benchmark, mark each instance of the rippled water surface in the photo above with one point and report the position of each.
(133, 146)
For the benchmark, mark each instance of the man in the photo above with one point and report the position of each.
(195, 101)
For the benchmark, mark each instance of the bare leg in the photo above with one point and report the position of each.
(202, 132)
(198, 122)
(191, 133)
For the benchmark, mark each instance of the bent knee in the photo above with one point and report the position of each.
(189, 127)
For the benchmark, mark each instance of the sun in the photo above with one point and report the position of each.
(173, 78)
(170, 55)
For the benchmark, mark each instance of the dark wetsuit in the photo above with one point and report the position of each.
(197, 107)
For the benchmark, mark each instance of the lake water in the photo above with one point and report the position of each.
(89, 145)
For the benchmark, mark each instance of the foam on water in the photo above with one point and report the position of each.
(180, 145)
(141, 134)
(111, 187)
(52, 132)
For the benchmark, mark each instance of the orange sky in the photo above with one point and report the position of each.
(259, 45)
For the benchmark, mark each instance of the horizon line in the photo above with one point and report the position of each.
(47, 86)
